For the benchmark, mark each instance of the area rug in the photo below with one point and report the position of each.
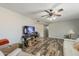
(47, 47)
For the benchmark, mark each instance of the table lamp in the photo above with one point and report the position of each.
(71, 32)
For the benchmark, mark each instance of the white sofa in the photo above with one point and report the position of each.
(16, 52)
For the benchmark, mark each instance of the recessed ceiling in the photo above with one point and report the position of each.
(35, 10)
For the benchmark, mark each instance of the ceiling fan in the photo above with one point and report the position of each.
(52, 13)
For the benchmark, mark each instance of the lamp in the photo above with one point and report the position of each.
(71, 32)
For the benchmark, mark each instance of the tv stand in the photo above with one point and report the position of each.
(26, 37)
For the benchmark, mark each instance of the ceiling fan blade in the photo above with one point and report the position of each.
(44, 15)
(60, 10)
(58, 15)
(47, 11)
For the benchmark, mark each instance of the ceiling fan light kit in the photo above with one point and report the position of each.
(50, 19)
(54, 17)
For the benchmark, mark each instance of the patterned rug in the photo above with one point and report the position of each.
(47, 47)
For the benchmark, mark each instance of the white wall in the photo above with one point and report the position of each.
(11, 25)
(59, 29)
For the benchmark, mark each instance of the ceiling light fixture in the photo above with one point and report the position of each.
(50, 19)
(54, 17)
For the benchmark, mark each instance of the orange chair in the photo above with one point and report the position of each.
(4, 41)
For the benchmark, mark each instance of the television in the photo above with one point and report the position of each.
(28, 29)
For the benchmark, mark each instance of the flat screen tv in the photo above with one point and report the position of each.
(28, 29)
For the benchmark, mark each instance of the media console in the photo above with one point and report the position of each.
(29, 32)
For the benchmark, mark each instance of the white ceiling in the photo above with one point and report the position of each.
(35, 10)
